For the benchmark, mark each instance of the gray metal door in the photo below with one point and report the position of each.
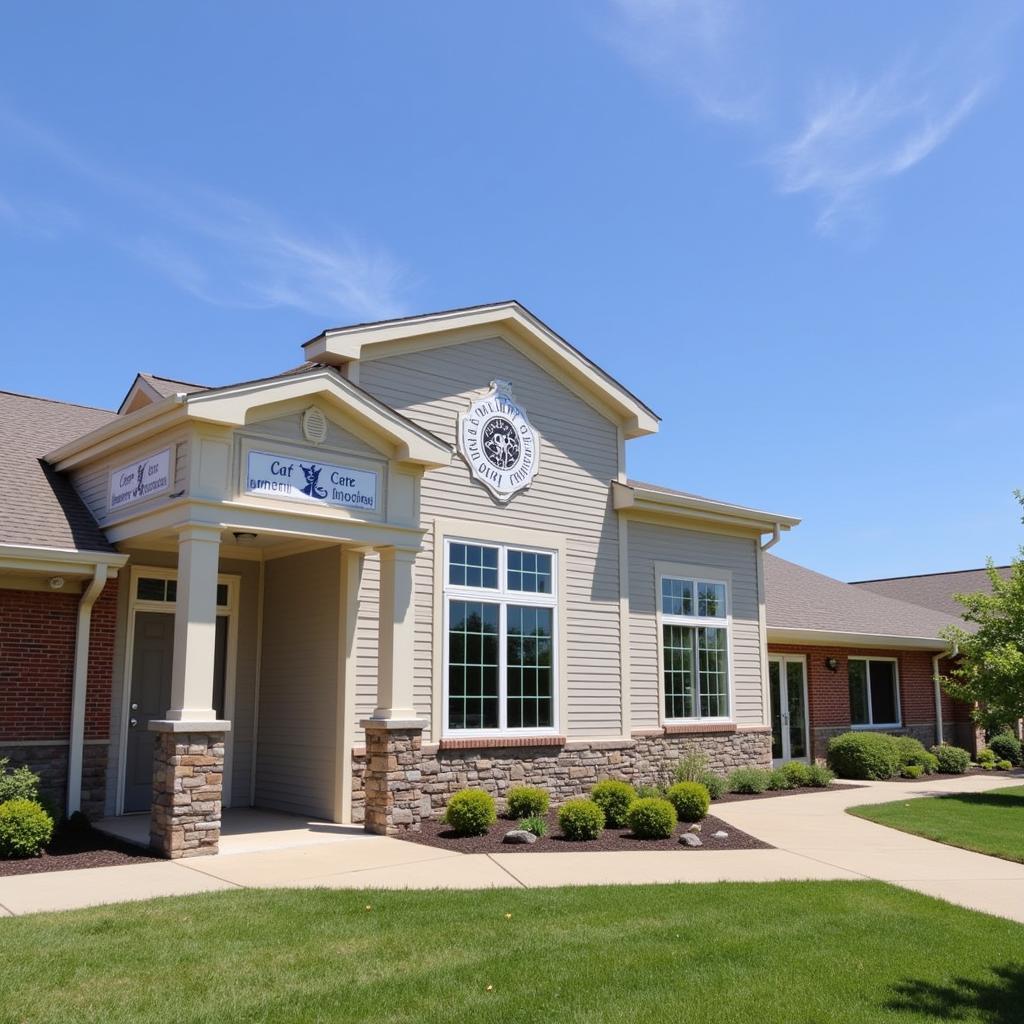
(152, 654)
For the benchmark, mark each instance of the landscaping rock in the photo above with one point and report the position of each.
(695, 827)
(720, 835)
(519, 835)
(689, 839)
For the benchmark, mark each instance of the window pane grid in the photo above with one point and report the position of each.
(473, 565)
(695, 655)
(500, 664)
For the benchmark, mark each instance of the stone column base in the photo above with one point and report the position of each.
(392, 782)
(188, 777)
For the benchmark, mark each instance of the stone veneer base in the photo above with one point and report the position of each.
(427, 776)
(390, 785)
(188, 778)
(50, 763)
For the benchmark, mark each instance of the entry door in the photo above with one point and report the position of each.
(787, 682)
(152, 655)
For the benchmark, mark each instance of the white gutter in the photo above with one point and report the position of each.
(936, 658)
(80, 685)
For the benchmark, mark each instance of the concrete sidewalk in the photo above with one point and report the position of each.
(815, 839)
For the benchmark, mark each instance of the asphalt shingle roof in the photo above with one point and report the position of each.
(934, 590)
(39, 507)
(799, 598)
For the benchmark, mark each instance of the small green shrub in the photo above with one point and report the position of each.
(911, 751)
(652, 818)
(798, 773)
(691, 766)
(863, 755)
(614, 798)
(748, 780)
(1004, 766)
(951, 760)
(17, 783)
(778, 779)
(647, 792)
(471, 812)
(580, 819)
(535, 824)
(1006, 747)
(986, 756)
(714, 784)
(25, 828)
(912, 771)
(819, 776)
(690, 799)
(527, 802)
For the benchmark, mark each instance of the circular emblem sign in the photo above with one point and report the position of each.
(498, 442)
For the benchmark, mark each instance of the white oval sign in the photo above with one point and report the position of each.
(498, 442)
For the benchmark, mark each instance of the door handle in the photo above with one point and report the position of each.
(133, 722)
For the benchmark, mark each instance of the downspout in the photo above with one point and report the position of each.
(936, 658)
(776, 536)
(76, 739)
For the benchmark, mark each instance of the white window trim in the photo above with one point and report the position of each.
(870, 725)
(695, 575)
(503, 597)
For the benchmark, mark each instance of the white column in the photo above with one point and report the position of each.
(351, 578)
(195, 627)
(396, 637)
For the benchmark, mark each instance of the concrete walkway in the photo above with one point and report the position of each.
(815, 839)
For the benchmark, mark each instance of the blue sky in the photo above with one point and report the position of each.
(793, 229)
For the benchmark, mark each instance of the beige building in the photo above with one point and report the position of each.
(413, 563)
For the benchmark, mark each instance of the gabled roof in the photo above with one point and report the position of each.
(231, 405)
(935, 589)
(340, 345)
(809, 607)
(39, 507)
(148, 388)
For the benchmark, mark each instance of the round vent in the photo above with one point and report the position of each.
(314, 425)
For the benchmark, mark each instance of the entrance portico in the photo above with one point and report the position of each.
(297, 634)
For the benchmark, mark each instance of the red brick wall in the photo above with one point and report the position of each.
(828, 693)
(37, 659)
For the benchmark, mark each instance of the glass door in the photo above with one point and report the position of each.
(787, 685)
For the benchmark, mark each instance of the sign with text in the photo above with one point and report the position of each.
(143, 479)
(281, 476)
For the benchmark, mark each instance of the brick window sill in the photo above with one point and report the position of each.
(493, 742)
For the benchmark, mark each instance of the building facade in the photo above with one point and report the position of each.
(412, 564)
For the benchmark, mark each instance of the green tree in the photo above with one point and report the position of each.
(990, 670)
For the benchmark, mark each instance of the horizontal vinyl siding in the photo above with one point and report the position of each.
(93, 482)
(569, 496)
(649, 544)
(295, 759)
(289, 429)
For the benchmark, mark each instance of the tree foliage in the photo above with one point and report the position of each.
(990, 669)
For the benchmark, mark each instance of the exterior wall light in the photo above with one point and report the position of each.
(241, 536)
(832, 664)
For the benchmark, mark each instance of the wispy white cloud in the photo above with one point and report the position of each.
(692, 47)
(858, 135)
(221, 249)
(851, 133)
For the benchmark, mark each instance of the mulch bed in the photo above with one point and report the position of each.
(78, 848)
(735, 798)
(939, 777)
(434, 833)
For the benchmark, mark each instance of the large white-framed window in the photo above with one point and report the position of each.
(695, 625)
(874, 692)
(500, 630)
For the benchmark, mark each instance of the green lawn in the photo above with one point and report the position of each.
(786, 953)
(990, 822)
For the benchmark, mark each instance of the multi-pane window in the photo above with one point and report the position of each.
(159, 588)
(695, 648)
(874, 691)
(500, 660)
